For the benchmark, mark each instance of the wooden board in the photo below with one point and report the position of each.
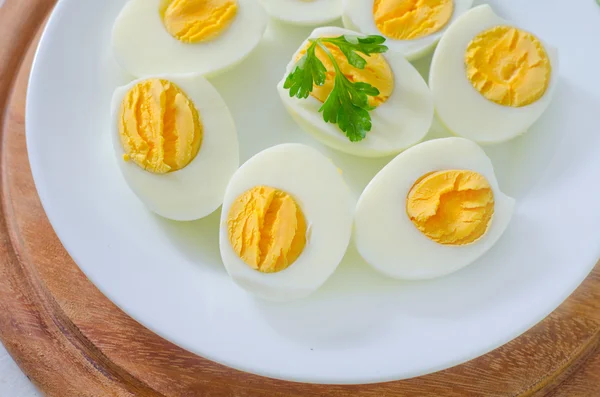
(72, 341)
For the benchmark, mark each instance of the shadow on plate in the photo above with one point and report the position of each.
(338, 314)
(357, 303)
(198, 241)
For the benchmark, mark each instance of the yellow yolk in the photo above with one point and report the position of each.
(159, 126)
(194, 21)
(377, 72)
(508, 66)
(411, 19)
(266, 228)
(451, 207)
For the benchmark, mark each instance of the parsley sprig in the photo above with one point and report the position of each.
(348, 103)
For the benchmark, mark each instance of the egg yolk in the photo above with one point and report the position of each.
(508, 66)
(452, 207)
(267, 229)
(411, 19)
(159, 126)
(377, 73)
(194, 21)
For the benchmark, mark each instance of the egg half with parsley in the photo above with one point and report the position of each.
(286, 222)
(434, 209)
(490, 79)
(176, 144)
(401, 111)
(186, 36)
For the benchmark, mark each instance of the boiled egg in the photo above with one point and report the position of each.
(286, 222)
(176, 144)
(431, 211)
(490, 79)
(304, 12)
(411, 27)
(186, 36)
(403, 109)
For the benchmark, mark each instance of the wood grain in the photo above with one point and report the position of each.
(72, 341)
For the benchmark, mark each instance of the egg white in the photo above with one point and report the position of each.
(459, 105)
(386, 237)
(143, 47)
(304, 12)
(358, 15)
(196, 190)
(320, 191)
(400, 122)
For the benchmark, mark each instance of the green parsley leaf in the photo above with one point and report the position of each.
(348, 103)
(309, 70)
(350, 45)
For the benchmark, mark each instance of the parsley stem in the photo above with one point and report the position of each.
(330, 55)
(339, 76)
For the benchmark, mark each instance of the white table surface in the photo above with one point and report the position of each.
(13, 383)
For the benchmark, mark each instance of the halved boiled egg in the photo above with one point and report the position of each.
(490, 79)
(402, 111)
(286, 222)
(304, 12)
(186, 36)
(176, 144)
(434, 209)
(411, 27)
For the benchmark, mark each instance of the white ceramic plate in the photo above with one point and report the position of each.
(360, 327)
